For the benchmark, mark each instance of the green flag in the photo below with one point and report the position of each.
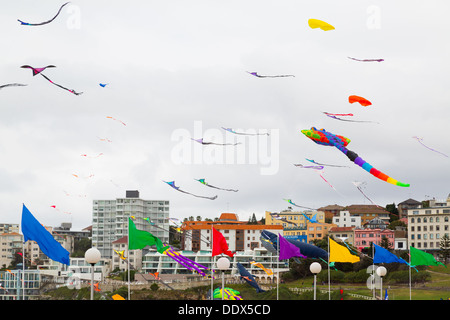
(421, 258)
(139, 239)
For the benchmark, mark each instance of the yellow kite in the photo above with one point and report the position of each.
(314, 23)
(340, 253)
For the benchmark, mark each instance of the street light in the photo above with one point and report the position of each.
(381, 272)
(223, 264)
(92, 256)
(315, 268)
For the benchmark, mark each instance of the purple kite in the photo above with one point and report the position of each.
(367, 60)
(420, 141)
(276, 76)
(288, 250)
(333, 116)
(39, 71)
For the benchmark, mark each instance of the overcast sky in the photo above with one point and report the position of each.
(178, 70)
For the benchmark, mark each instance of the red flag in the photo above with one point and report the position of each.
(220, 244)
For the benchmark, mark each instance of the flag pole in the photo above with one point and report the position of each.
(212, 263)
(373, 270)
(329, 285)
(128, 262)
(278, 263)
(410, 274)
(23, 270)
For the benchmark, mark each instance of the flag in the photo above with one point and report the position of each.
(383, 255)
(386, 297)
(288, 250)
(33, 230)
(340, 253)
(220, 244)
(421, 258)
(139, 239)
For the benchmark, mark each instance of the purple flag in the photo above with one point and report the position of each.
(288, 250)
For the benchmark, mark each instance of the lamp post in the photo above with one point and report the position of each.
(381, 272)
(223, 264)
(315, 268)
(92, 256)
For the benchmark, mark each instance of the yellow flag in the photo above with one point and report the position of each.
(340, 253)
(117, 297)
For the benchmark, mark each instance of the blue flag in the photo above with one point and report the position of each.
(33, 230)
(383, 255)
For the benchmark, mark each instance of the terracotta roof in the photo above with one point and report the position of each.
(365, 208)
(229, 216)
(331, 207)
(341, 229)
(124, 239)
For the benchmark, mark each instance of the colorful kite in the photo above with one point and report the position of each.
(326, 138)
(328, 165)
(202, 181)
(244, 133)
(218, 144)
(366, 60)
(172, 184)
(314, 23)
(337, 118)
(268, 271)
(116, 120)
(45, 22)
(12, 85)
(290, 201)
(362, 101)
(39, 71)
(420, 141)
(121, 254)
(185, 262)
(228, 294)
(248, 277)
(275, 76)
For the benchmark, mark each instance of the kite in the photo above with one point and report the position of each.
(85, 155)
(337, 118)
(309, 167)
(358, 186)
(290, 201)
(172, 184)
(321, 175)
(278, 217)
(366, 60)
(45, 22)
(244, 133)
(202, 181)
(339, 114)
(314, 23)
(103, 84)
(326, 138)
(270, 241)
(275, 76)
(116, 120)
(328, 165)
(12, 85)
(362, 101)
(185, 262)
(228, 294)
(86, 177)
(420, 141)
(269, 272)
(121, 254)
(54, 207)
(218, 144)
(104, 139)
(248, 277)
(39, 71)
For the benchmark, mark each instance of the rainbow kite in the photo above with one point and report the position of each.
(326, 138)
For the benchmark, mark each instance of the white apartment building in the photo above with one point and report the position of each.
(426, 226)
(346, 220)
(110, 220)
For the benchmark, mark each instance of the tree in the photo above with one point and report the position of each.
(252, 220)
(445, 248)
(385, 243)
(392, 208)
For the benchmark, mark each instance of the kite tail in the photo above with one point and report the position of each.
(369, 168)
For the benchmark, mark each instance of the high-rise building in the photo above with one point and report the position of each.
(110, 219)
